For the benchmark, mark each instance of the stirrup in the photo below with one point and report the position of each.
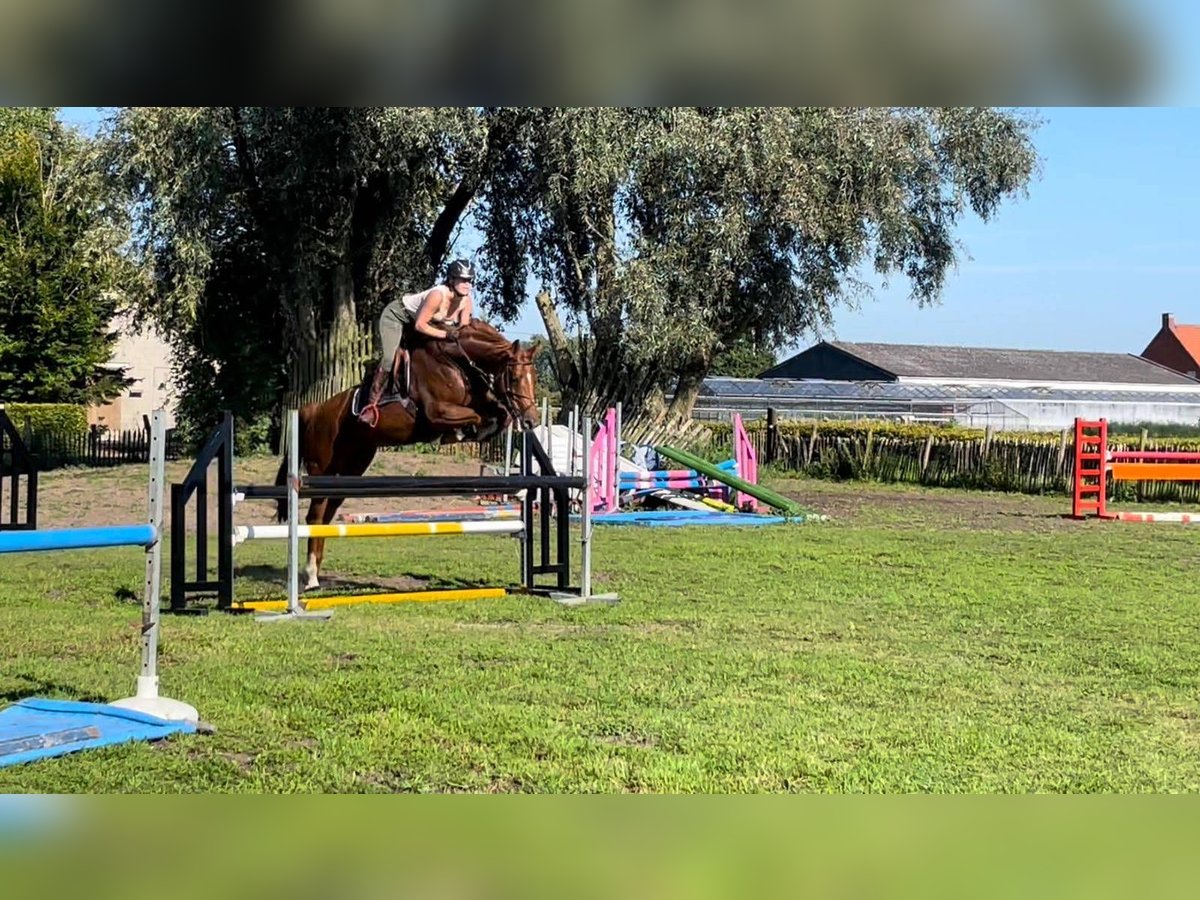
(369, 415)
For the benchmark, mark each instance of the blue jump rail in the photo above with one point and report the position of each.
(78, 538)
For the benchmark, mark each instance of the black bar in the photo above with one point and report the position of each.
(469, 484)
(225, 517)
(22, 462)
(219, 447)
(563, 508)
(527, 516)
(178, 543)
(31, 492)
(544, 523)
(202, 530)
(405, 486)
(205, 586)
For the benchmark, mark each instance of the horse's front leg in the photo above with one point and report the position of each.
(451, 419)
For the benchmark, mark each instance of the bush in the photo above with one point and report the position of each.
(61, 419)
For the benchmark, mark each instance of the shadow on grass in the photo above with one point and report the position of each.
(50, 690)
(334, 583)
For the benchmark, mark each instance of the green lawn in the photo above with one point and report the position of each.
(922, 641)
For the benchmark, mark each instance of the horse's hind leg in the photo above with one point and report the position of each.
(316, 546)
(354, 462)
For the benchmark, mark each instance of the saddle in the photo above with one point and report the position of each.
(401, 366)
(401, 374)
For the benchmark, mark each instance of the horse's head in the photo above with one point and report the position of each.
(516, 385)
(514, 380)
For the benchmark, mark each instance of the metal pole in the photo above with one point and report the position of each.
(294, 609)
(146, 699)
(571, 443)
(293, 485)
(584, 437)
(549, 426)
(616, 460)
(508, 442)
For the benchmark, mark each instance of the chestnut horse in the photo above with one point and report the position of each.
(467, 387)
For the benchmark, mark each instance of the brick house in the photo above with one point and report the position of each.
(1176, 347)
(147, 359)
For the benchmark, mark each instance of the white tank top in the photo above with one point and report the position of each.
(412, 302)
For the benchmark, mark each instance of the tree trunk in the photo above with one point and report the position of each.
(564, 361)
(342, 312)
(687, 389)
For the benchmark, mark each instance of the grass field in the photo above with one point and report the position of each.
(921, 641)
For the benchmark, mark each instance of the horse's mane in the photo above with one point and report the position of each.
(484, 344)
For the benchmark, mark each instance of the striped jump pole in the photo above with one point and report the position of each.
(149, 535)
(377, 529)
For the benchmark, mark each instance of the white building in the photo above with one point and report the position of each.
(147, 359)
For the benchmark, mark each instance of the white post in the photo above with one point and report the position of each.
(147, 699)
(508, 442)
(583, 442)
(616, 459)
(294, 609)
(293, 495)
(549, 429)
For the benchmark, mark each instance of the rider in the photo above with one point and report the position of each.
(435, 312)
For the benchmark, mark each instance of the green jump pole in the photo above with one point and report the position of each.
(769, 497)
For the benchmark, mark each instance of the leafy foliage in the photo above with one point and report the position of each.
(62, 277)
(669, 235)
(745, 359)
(265, 228)
(47, 418)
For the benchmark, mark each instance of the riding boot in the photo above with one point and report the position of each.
(370, 411)
(400, 377)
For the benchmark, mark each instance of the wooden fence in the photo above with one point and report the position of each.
(334, 363)
(95, 448)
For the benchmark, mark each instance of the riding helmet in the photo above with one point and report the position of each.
(460, 268)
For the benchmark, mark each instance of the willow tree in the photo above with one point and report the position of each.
(267, 230)
(669, 236)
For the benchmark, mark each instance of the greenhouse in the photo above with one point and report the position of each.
(1010, 408)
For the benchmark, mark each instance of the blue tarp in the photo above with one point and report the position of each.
(671, 517)
(36, 728)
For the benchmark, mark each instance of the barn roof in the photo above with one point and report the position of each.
(993, 364)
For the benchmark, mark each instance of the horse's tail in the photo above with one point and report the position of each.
(281, 505)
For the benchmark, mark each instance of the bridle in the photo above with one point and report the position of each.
(503, 387)
(503, 382)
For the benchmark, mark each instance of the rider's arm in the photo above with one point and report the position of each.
(427, 312)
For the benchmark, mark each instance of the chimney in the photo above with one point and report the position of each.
(1168, 322)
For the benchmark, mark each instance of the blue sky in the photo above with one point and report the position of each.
(1107, 241)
